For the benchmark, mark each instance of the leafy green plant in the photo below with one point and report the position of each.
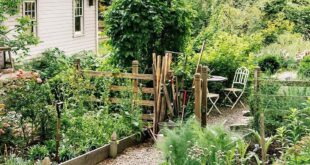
(304, 67)
(14, 160)
(30, 100)
(38, 152)
(191, 144)
(297, 154)
(269, 63)
(51, 63)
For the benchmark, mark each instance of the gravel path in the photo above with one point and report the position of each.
(143, 154)
(147, 154)
(228, 116)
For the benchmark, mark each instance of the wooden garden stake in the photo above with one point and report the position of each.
(155, 98)
(201, 53)
(59, 106)
(168, 100)
(204, 109)
(154, 60)
(113, 146)
(198, 96)
(262, 115)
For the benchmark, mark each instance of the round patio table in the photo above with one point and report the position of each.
(217, 79)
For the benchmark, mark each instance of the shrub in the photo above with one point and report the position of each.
(194, 145)
(269, 63)
(304, 67)
(38, 152)
(30, 100)
(137, 28)
(51, 63)
(228, 53)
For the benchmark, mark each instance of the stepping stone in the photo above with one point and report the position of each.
(246, 113)
(244, 123)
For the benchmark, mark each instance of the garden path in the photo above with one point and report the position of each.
(229, 117)
(148, 154)
(143, 154)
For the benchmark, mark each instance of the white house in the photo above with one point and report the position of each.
(70, 25)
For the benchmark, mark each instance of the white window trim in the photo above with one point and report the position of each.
(79, 33)
(36, 14)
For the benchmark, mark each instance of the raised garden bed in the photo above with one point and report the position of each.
(98, 155)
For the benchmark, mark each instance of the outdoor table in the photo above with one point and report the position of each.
(217, 79)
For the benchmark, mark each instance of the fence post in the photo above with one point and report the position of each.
(78, 68)
(204, 109)
(59, 107)
(113, 146)
(198, 96)
(135, 71)
(261, 114)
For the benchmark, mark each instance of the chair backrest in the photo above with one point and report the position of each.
(241, 77)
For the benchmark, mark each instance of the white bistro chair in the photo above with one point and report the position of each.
(238, 86)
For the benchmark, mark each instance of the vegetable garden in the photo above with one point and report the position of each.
(167, 71)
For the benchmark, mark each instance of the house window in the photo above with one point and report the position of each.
(78, 16)
(30, 10)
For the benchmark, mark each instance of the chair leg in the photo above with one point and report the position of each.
(227, 97)
(238, 98)
(214, 105)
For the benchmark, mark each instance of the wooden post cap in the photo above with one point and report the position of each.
(205, 69)
(114, 136)
(197, 75)
(135, 62)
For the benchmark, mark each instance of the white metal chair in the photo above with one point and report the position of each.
(216, 97)
(238, 86)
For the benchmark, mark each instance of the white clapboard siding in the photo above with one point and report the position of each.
(55, 27)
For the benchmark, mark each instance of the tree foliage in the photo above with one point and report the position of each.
(137, 28)
(19, 36)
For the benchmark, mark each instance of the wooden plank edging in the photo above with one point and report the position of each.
(98, 155)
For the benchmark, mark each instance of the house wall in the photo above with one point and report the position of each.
(55, 27)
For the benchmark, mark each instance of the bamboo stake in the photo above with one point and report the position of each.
(200, 55)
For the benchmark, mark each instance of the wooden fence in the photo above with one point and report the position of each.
(135, 76)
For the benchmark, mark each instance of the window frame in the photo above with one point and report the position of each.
(82, 18)
(34, 29)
